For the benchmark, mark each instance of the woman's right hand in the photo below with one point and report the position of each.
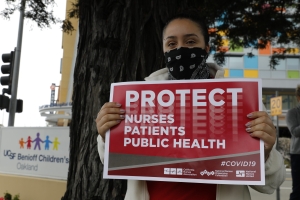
(109, 115)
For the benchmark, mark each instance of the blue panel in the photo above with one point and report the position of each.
(251, 63)
(253, 43)
(278, 34)
(220, 22)
(239, 73)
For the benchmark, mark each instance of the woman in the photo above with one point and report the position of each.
(293, 123)
(183, 35)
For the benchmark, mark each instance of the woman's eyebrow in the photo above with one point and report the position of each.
(189, 35)
(185, 36)
(170, 37)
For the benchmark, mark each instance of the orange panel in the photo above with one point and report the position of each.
(265, 51)
(278, 50)
(212, 30)
(223, 49)
(279, 9)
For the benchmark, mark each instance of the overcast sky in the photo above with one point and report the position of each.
(40, 64)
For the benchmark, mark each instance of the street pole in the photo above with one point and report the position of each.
(14, 89)
(277, 146)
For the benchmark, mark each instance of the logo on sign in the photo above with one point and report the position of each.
(205, 172)
(179, 171)
(38, 142)
(173, 171)
(10, 154)
(240, 173)
(166, 170)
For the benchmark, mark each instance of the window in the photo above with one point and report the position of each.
(264, 73)
(292, 63)
(235, 62)
(263, 62)
(251, 62)
(278, 74)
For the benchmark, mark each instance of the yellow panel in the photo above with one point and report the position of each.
(221, 33)
(293, 51)
(226, 73)
(250, 73)
(225, 43)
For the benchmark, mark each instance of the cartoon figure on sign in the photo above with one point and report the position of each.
(28, 142)
(37, 141)
(21, 142)
(47, 142)
(55, 144)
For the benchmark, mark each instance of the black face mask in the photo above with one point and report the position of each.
(187, 63)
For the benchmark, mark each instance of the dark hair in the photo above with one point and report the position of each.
(298, 91)
(194, 16)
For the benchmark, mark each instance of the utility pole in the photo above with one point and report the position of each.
(14, 89)
(277, 146)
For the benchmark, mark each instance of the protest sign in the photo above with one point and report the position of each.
(187, 131)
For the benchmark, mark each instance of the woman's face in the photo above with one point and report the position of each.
(183, 33)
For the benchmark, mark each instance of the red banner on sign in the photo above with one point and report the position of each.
(188, 131)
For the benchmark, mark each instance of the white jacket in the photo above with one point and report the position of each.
(274, 167)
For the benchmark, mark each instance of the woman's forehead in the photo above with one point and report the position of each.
(180, 27)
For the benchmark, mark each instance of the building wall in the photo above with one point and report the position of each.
(239, 65)
(68, 45)
(284, 79)
(30, 188)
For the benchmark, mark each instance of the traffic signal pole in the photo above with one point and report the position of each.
(14, 89)
(277, 147)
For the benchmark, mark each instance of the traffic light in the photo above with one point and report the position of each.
(19, 108)
(7, 69)
(4, 102)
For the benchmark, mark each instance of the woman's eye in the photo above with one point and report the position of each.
(171, 44)
(191, 42)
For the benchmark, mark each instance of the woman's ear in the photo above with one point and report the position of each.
(207, 49)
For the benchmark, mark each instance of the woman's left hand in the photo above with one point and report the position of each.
(262, 127)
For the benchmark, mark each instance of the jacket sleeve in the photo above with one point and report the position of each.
(101, 147)
(275, 173)
(293, 123)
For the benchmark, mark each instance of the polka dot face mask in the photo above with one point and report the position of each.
(187, 63)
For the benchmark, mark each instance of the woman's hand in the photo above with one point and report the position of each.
(110, 115)
(262, 127)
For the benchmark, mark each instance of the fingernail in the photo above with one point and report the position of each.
(122, 111)
(122, 116)
(248, 124)
(118, 105)
(118, 121)
(250, 115)
(248, 129)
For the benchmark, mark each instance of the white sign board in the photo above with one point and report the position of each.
(40, 152)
